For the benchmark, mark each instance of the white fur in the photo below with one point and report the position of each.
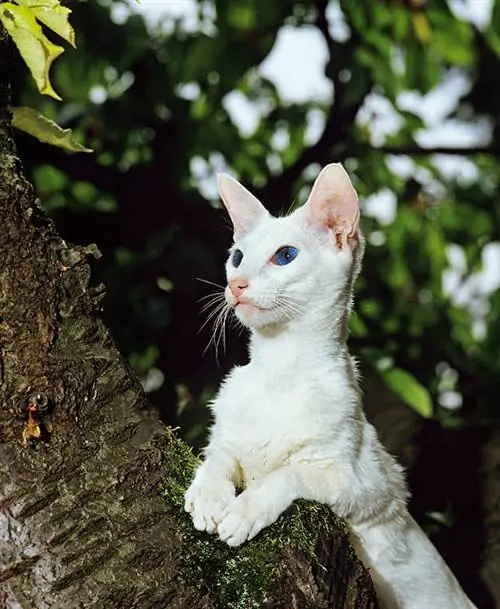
(290, 423)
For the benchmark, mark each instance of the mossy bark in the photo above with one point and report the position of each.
(91, 482)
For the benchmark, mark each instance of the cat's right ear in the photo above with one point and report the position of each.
(244, 209)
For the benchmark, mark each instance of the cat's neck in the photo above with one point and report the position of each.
(284, 345)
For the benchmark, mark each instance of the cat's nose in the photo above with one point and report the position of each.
(237, 286)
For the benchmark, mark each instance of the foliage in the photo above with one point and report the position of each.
(23, 19)
(45, 130)
(409, 389)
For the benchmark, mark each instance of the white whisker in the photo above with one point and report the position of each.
(215, 313)
(217, 285)
(215, 300)
(218, 316)
(282, 307)
(220, 312)
(211, 295)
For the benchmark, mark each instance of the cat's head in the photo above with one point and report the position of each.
(283, 269)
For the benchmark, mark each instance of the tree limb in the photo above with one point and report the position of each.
(415, 150)
(341, 115)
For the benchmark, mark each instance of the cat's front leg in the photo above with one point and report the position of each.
(262, 503)
(211, 491)
(249, 513)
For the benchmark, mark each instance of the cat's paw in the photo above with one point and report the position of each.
(244, 518)
(207, 502)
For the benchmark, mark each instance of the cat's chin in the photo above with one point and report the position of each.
(257, 318)
(252, 316)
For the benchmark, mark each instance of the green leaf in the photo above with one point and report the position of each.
(453, 39)
(401, 22)
(406, 386)
(36, 50)
(53, 15)
(200, 58)
(241, 16)
(492, 33)
(44, 129)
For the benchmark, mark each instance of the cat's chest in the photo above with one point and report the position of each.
(266, 420)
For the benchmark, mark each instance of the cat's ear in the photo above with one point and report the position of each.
(333, 204)
(244, 209)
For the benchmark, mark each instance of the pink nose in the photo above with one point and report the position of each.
(237, 286)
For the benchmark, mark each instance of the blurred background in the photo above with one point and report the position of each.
(406, 93)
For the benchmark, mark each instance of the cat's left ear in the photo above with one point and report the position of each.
(333, 204)
(244, 208)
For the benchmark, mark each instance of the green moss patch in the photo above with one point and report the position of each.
(239, 578)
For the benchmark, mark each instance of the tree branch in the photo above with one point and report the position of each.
(415, 150)
(339, 119)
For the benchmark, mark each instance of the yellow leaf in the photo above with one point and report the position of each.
(53, 15)
(422, 28)
(36, 50)
(44, 129)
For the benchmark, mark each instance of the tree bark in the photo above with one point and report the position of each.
(91, 482)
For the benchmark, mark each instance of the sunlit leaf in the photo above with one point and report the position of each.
(406, 386)
(36, 50)
(242, 16)
(401, 22)
(53, 15)
(492, 33)
(46, 130)
(453, 38)
(421, 26)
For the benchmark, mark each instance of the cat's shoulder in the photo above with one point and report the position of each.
(235, 379)
(235, 374)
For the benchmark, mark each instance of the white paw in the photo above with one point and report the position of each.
(207, 502)
(244, 518)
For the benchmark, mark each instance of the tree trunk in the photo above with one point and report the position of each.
(91, 483)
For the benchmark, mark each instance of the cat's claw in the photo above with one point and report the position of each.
(207, 502)
(243, 519)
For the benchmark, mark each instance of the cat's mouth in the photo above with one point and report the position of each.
(250, 314)
(245, 305)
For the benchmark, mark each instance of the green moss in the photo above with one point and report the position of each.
(239, 578)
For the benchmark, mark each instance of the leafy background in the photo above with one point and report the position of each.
(152, 101)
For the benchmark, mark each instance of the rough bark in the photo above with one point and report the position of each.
(91, 482)
(490, 495)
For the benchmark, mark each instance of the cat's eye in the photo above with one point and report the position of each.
(284, 255)
(236, 258)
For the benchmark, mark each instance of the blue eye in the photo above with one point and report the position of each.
(236, 258)
(285, 255)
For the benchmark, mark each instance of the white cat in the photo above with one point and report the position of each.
(290, 423)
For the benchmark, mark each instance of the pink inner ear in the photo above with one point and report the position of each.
(333, 203)
(244, 209)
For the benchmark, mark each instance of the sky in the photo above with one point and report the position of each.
(305, 49)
